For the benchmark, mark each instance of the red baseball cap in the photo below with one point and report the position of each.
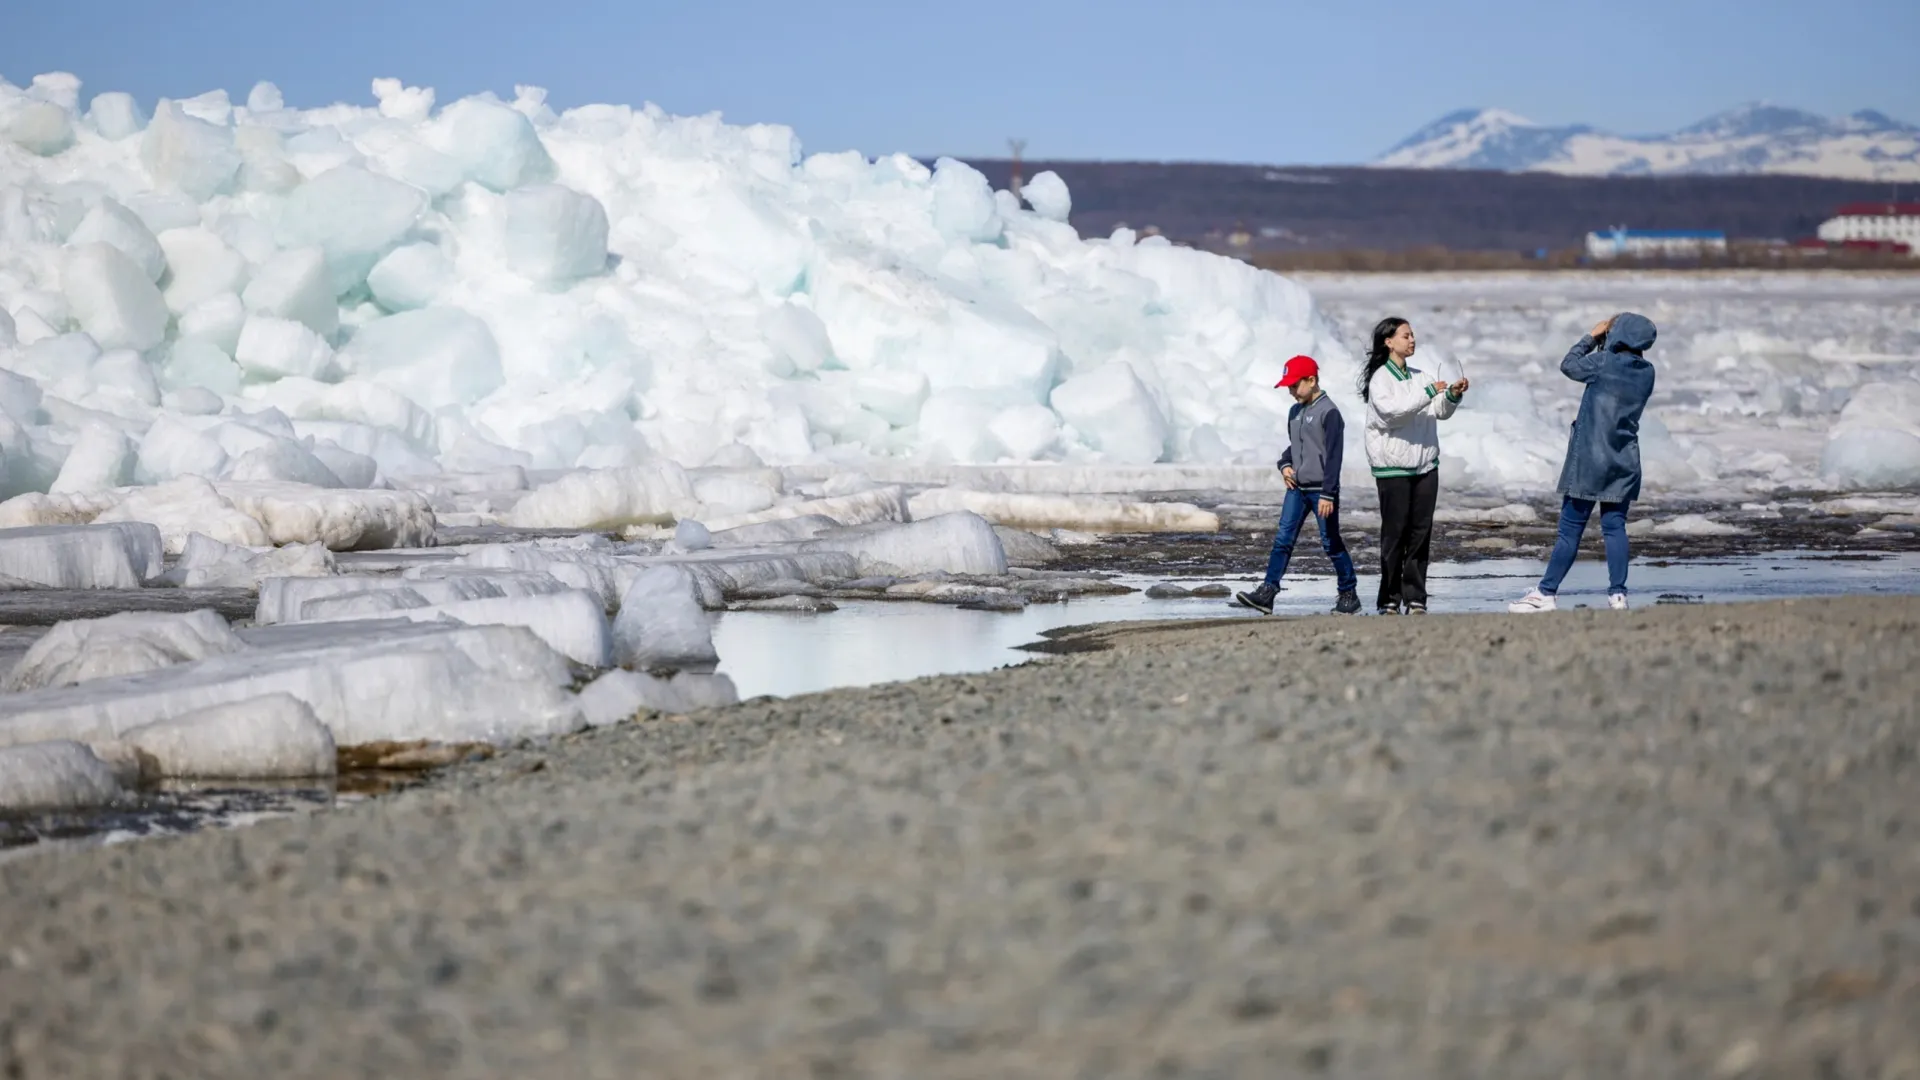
(1298, 368)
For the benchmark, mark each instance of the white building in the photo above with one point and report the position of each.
(1887, 223)
(1623, 243)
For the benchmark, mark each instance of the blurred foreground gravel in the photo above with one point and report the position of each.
(1683, 842)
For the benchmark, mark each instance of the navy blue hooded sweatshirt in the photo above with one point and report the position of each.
(1603, 450)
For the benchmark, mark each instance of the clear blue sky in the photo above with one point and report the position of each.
(1315, 82)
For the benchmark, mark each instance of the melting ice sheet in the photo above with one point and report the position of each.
(868, 642)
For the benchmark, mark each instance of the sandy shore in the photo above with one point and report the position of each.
(1675, 843)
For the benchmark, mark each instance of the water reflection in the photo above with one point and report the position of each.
(868, 642)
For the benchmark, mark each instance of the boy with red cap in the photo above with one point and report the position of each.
(1311, 469)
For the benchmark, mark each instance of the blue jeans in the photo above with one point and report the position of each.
(1573, 522)
(1293, 514)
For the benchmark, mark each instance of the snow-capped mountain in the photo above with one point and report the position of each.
(1755, 138)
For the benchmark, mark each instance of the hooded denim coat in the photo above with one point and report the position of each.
(1603, 450)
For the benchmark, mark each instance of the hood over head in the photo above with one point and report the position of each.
(1631, 333)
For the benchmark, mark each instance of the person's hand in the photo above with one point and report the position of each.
(1286, 474)
(1326, 507)
(1600, 328)
(1440, 386)
(1458, 389)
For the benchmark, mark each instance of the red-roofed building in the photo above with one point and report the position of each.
(1893, 224)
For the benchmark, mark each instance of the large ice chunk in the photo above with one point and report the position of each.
(341, 519)
(55, 775)
(74, 557)
(654, 492)
(173, 448)
(267, 737)
(116, 115)
(282, 459)
(38, 127)
(437, 356)
(958, 543)
(194, 363)
(102, 457)
(216, 320)
(81, 650)
(661, 625)
(368, 682)
(296, 285)
(1048, 196)
(620, 694)
(110, 223)
(273, 348)
(414, 275)
(189, 155)
(1114, 413)
(555, 233)
(1876, 441)
(492, 144)
(200, 266)
(113, 298)
(186, 505)
(354, 216)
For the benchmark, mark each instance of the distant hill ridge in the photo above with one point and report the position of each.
(1318, 208)
(1756, 138)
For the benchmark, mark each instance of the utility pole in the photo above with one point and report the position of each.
(1016, 145)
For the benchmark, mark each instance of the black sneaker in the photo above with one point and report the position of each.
(1260, 599)
(1416, 609)
(1388, 611)
(1348, 604)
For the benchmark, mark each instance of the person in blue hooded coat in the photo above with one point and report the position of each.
(1603, 452)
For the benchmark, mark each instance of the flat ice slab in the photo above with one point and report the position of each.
(381, 681)
(957, 543)
(78, 557)
(82, 650)
(1091, 513)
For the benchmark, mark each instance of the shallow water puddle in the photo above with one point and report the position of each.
(869, 642)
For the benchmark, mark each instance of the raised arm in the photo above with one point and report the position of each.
(1397, 400)
(1583, 362)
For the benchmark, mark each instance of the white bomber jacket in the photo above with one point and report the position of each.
(1403, 421)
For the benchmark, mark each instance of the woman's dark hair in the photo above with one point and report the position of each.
(1377, 356)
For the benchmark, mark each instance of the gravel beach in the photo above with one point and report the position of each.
(1675, 843)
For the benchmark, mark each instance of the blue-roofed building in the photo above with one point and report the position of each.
(1624, 243)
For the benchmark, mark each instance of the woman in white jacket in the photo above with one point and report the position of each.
(1404, 408)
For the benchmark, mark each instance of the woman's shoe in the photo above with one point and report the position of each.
(1416, 609)
(1535, 600)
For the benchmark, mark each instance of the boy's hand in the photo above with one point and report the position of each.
(1439, 387)
(1286, 474)
(1600, 328)
(1326, 507)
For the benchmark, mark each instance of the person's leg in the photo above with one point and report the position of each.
(1413, 578)
(1293, 513)
(1613, 530)
(1573, 522)
(1336, 549)
(1395, 495)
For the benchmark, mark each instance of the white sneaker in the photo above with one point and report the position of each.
(1535, 600)
(1617, 601)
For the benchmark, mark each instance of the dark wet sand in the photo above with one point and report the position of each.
(1676, 843)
